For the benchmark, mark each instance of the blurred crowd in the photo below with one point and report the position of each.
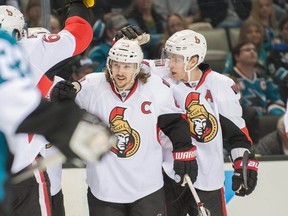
(257, 61)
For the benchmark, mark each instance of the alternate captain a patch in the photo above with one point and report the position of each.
(128, 138)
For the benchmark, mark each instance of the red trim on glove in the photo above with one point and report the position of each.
(252, 165)
(186, 155)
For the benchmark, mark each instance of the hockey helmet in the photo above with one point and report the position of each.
(12, 21)
(187, 43)
(127, 51)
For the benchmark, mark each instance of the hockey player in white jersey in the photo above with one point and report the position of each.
(23, 111)
(216, 112)
(128, 180)
(43, 52)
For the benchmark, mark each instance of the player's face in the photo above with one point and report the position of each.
(123, 74)
(176, 66)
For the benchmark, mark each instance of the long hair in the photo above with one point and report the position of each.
(244, 29)
(256, 14)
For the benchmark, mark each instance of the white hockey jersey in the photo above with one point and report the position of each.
(43, 52)
(218, 98)
(18, 96)
(133, 168)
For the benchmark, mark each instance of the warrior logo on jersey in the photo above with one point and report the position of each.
(128, 139)
(203, 125)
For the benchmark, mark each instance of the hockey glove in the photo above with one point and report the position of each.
(185, 163)
(91, 138)
(241, 184)
(132, 32)
(64, 90)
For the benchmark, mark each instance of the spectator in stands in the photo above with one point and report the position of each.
(187, 9)
(257, 91)
(81, 66)
(264, 12)
(33, 14)
(55, 25)
(103, 7)
(14, 3)
(174, 22)
(274, 143)
(252, 31)
(232, 12)
(99, 53)
(142, 14)
(278, 60)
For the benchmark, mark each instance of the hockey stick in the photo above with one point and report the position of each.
(244, 171)
(41, 165)
(245, 164)
(201, 209)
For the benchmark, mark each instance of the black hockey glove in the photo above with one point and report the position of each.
(130, 32)
(185, 163)
(64, 90)
(244, 179)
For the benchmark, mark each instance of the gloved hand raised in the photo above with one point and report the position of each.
(64, 90)
(239, 178)
(185, 163)
(132, 32)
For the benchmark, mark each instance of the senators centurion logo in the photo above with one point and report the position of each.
(203, 125)
(128, 139)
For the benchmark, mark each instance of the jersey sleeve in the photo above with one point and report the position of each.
(232, 124)
(47, 50)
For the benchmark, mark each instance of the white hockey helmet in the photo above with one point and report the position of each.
(12, 20)
(128, 51)
(187, 43)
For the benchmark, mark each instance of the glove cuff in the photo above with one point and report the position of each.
(188, 155)
(252, 164)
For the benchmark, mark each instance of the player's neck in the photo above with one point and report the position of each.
(195, 74)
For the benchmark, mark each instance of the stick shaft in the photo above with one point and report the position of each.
(195, 195)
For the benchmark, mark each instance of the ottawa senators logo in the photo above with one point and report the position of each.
(128, 139)
(203, 125)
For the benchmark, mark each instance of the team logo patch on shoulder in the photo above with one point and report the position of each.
(235, 88)
(51, 38)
